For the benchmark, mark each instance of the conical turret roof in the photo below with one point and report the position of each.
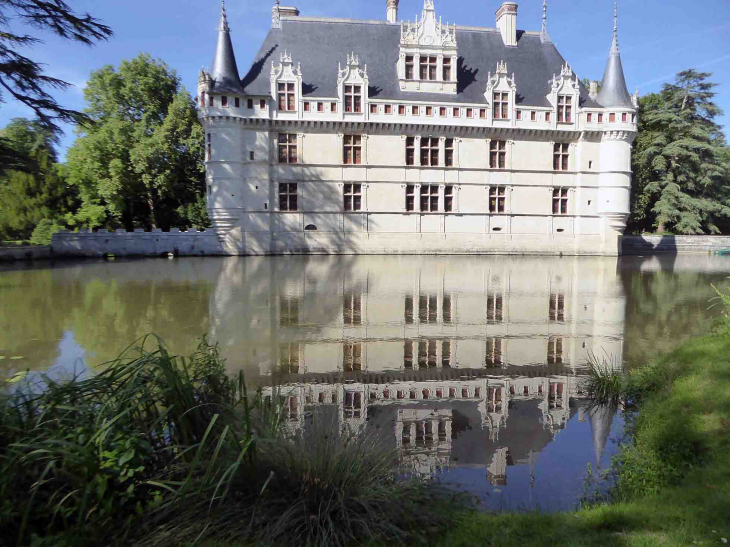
(613, 87)
(600, 419)
(224, 71)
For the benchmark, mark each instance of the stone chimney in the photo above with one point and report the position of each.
(391, 11)
(507, 23)
(593, 90)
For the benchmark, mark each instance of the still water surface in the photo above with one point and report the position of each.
(470, 366)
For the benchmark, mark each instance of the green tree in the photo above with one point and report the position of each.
(23, 79)
(141, 162)
(681, 175)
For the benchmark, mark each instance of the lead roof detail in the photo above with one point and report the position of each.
(320, 44)
(224, 71)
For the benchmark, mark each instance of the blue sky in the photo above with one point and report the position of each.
(658, 38)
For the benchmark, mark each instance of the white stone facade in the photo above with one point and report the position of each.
(493, 176)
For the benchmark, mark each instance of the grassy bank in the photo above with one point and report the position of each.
(674, 482)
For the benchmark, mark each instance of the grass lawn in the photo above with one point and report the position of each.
(681, 456)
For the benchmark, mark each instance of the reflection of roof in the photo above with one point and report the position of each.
(320, 44)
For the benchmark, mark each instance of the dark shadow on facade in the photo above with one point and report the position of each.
(257, 67)
(465, 76)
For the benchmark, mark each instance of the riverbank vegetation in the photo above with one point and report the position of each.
(159, 450)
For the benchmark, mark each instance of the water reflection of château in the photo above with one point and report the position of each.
(467, 361)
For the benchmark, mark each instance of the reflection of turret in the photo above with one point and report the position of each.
(424, 440)
(600, 418)
(497, 470)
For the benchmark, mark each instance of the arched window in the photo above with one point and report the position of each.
(310, 228)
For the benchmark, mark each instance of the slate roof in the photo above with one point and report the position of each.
(613, 87)
(319, 44)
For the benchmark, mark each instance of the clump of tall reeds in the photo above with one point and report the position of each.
(159, 450)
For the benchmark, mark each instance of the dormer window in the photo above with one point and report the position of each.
(428, 68)
(447, 69)
(353, 98)
(565, 108)
(501, 106)
(287, 97)
(409, 67)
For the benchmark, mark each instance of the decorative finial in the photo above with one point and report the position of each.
(544, 34)
(614, 44)
(276, 16)
(223, 25)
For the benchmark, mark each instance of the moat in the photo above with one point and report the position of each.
(470, 366)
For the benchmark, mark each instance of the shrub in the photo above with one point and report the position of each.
(44, 231)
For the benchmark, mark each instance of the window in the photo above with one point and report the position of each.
(401, 110)
(426, 353)
(456, 112)
(289, 358)
(560, 156)
(494, 308)
(373, 108)
(408, 314)
(352, 307)
(449, 153)
(414, 110)
(519, 114)
(600, 118)
(352, 149)
(447, 69)
(448, 207)
(351, 357)
(565, 108)
(289, 307)
(320, 107)
(442, 111)
(494, 352)
(497, 199)
(589, 117)
(624, 117)
(262, 104)
(353, 98)
(430, 198)
(612, 117)
(497, 154)
(237, 102)
(202, 99)
(555, 350)
(410, 150)
(446, 312)
(446, 354)
(353, 197)
(427, 308)
(353, 404)
(533, 116)
(556, 310)
(429, 151)
(409, 67)
(469, 113)
(501, 106)
(286, 97)
(210, 147)
(287, 196)
(429, 111)
(407, 357)
(428, 68)
(388, 108)
(306, 106)
(211, 100)
(483, 113)
(547, 116)
(410, 197)
(249, 103)
(333, 107)
(287, 148)
(560, 201)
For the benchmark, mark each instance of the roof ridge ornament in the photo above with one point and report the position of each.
(501, 67)
(544, 37)
(276, 15)
(428, 31)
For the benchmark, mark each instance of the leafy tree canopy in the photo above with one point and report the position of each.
(23, 79)
(141, 162)
(680, 162)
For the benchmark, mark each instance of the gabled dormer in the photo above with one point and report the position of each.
(564, 97)
(286, 86)
(428, 54)
(501, 94)
(352, 87)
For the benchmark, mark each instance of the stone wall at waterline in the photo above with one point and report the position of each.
(137, 243)
(648, 244)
